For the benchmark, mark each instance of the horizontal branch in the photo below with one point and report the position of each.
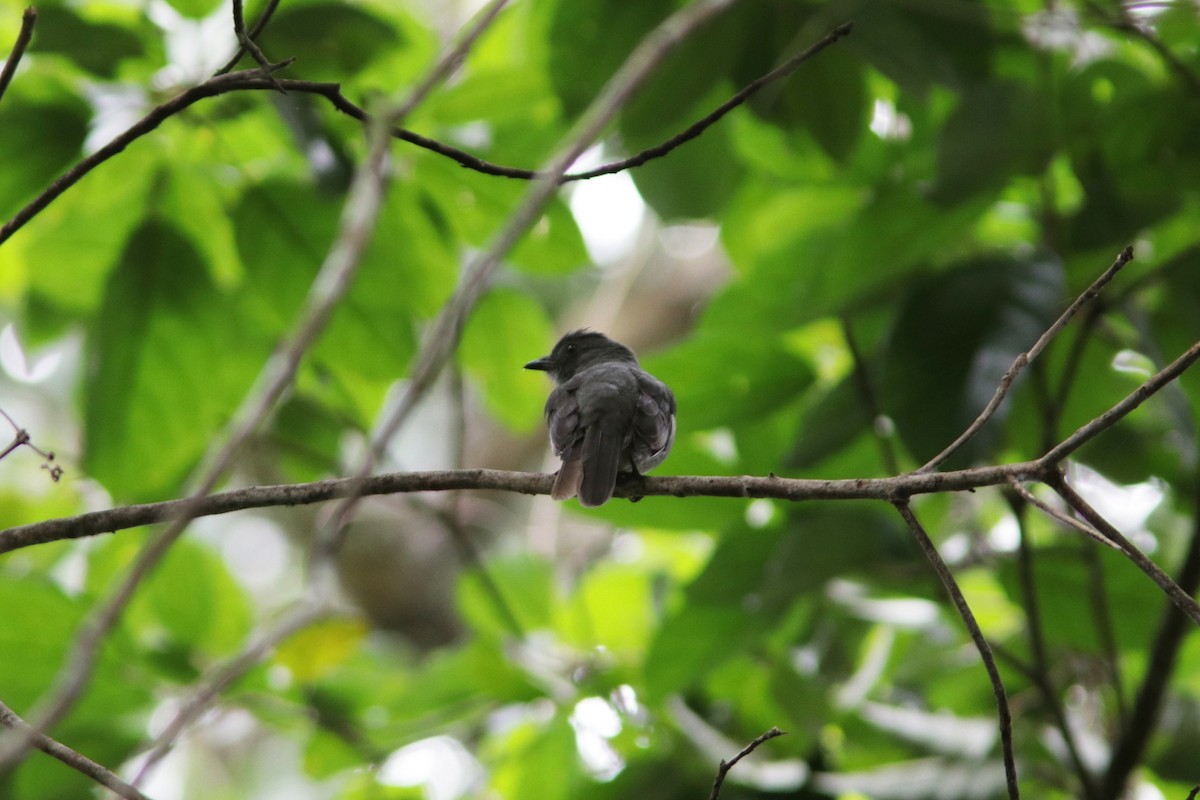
(533, 483)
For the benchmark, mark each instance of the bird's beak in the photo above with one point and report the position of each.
(544, 364)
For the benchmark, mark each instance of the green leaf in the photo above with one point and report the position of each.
(722, 377)
(40, 140)
(590, 39)
(994, 133)
(526, 585)
(695, 180)
(956, 335)
(167, 364)
(195, 600)
(97, 47)
(503, 334)
(334, 40)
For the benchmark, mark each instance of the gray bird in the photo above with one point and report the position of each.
(606, 415)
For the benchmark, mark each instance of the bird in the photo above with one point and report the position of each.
(606, 415)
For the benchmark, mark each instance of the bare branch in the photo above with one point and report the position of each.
(73, 759)
(981, 644)
(267, 13)
(248, 45)
(724, 767)
(1054, 513)
(533, 483)
(28, 20)
(1023, 359)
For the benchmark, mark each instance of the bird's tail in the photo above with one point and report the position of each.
(601, 459)
(566, 483)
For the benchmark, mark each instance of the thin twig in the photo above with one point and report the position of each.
(252, 35)
(649, 154)
(76, 761)
(1023, 359)
(981, 644)
(28, 21)
(248, 44)
(1057, 515)
(724, 767)
(1184, 601)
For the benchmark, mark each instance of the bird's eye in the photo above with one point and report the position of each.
(570, 348)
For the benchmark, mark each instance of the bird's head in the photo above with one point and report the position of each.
(579, 350)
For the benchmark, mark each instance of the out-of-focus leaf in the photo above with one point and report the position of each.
(956, 335)
(70, 248)
(922, 44)
(334, 40)
(527, 589)
(590, 39)
(495, 345)
(724, 378)
(1065, 582)
(167, 364)
(40, 139)
(193, 598)
(313, 652)
(993, 135)
(97, 47)
(40, 622)
(827, 97)
(695, 180)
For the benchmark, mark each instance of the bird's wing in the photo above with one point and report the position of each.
(564, 421)
(654, 423)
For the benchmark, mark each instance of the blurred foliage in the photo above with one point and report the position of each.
(931, 192)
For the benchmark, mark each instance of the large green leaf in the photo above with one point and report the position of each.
(505, 332)
(39, 139)
(333, 40)
(956, 335)
(97, 47)
(167, 364)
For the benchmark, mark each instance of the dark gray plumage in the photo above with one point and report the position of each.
(606, 415)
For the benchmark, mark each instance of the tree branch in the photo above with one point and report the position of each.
(28, 20)
(724, 767)
(76, 761)
(253, 33)
(1023, 359)
(981, 644)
